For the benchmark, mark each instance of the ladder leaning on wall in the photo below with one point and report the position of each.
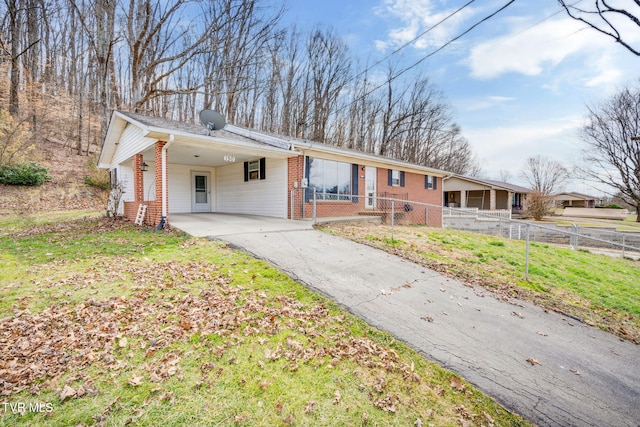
(142, 210)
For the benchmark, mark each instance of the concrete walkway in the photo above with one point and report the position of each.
(580, 376)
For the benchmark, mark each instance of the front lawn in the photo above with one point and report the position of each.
(103, 323)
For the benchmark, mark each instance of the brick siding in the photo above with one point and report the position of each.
(413, 190)
(154, 208)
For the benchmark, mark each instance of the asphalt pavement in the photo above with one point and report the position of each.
(549, 368)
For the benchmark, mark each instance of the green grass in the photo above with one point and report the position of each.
(629, 225)
(148, 328)
(601, 290)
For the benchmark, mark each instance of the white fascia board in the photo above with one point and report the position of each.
(116, 125)
(370, 159)
(220, 142)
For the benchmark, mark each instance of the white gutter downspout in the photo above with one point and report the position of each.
(164, 175)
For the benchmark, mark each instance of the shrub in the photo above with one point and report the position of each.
(96, 177)
(539, 205)
(16, 141)
(29, 173)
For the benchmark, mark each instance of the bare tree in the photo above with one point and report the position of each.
(505, 175)
(100, 32)
(329, 71)
(160, 42)
(608, 18)
(612, 138)
(545, 175)
(236, 52)
(15, 28)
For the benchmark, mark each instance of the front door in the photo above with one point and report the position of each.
(370, 187)
(200, 193)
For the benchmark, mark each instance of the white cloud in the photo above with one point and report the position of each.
(500, 98)
(415, 17)
(529, 52)
(486, 102)
(604, 74)
(507, 147)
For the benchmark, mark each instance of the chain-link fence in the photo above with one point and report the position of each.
(383, 208)
(396, 210)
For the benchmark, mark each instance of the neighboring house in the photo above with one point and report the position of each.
(484, 194)
(174, 167)
(576, 200)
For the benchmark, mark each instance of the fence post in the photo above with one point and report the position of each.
(623, 245)
(526, 273)
(393, 217)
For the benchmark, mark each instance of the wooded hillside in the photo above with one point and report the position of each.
(67, 64)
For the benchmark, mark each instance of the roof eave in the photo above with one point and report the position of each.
(163, 134)
(111, 139)
(369, 158)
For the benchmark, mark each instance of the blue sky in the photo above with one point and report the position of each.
(518, 84)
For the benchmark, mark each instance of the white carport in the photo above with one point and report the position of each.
(226, 171)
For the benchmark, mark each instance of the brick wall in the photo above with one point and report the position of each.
(154, 208)
(138, 178)
(413, 189)
(295, 166)
(157, 209)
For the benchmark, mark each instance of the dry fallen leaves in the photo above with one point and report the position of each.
(106, 332)
(456, 383)
(533, 361)
(310, 406)
(67, 392)
(135, 380)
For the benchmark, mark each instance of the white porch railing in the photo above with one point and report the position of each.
(477, 213)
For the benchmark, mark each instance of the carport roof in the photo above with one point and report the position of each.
(159, 129)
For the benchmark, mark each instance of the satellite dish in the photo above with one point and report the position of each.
(212, 120)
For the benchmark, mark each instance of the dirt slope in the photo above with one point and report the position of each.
(66, 190)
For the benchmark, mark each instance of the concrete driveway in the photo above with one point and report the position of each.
(219, 224)
(576, 376)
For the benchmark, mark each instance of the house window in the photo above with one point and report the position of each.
(396, 178)
(430, 182)
(330, 179)
(255, 170)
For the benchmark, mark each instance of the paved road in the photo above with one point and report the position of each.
(585, 377)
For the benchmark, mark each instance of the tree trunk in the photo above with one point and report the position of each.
(14, 24)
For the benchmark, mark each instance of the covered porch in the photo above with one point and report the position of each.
(172, 167)
(188, 177)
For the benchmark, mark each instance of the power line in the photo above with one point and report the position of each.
(422, 34)
(424, 58)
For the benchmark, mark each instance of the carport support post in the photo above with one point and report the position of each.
(314, 207)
